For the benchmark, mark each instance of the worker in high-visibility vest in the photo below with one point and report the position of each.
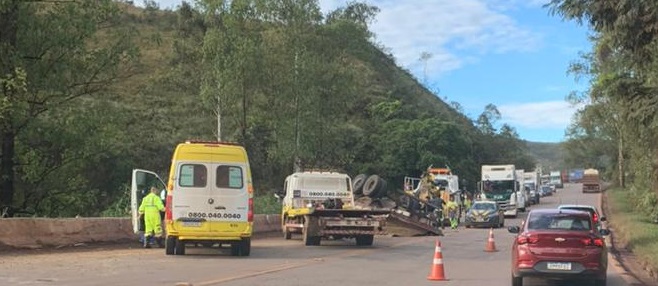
(452, 208)
(467, 203)
(151, 208)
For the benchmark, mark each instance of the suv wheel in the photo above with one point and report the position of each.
(517, 281)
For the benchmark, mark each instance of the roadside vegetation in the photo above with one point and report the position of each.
(617, 130)
(93, 89)
(635, 230)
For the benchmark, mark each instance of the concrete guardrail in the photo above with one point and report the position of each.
(53, 232)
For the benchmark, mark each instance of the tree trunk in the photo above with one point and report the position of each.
(7, 168)
(620, 162)
(654, 170)
(8, 28)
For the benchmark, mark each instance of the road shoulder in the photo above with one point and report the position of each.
(623, 259)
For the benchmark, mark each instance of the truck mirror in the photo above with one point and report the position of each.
(279, 194)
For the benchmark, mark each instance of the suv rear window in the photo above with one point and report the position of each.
(543, 221)
(589, 210)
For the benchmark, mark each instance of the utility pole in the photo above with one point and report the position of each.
(425, 57)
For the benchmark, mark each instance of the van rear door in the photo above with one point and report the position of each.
(230, 195)
(142, 181)
(190, 203)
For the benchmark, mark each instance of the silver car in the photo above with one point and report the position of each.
(484, 214)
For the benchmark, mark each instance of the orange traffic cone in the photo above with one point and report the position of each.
(437, 273)
(491, 244)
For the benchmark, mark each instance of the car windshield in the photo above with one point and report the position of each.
(544, 221)
(498, 187)
(484, 207)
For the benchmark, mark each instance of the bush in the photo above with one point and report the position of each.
(267, 204)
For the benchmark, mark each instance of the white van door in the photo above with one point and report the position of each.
(142, 181)
(229, 196)
(190, 202)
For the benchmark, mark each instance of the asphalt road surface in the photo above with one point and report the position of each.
(277, 262)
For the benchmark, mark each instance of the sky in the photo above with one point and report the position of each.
(510, 53)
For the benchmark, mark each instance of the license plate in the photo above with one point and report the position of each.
(191, 223)
(558, 266)
(479, 219)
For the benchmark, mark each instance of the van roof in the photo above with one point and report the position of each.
(210, 151)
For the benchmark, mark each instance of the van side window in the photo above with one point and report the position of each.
(193, 175)
(229, 177)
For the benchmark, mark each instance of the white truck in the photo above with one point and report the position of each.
(321, 205)
(531, 181)
(521, 194)
(556, 179)
(499, 184)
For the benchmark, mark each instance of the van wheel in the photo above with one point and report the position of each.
(241, 248)
(179, 248)
(170, 245)
(245, 247)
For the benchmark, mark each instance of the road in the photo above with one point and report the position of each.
(277, 262)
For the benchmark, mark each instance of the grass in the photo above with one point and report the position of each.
(633, 229)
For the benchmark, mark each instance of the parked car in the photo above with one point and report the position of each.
(484, 214)
(545, 191)
(559, 244)
(596, 217)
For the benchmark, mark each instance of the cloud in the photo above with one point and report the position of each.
(455, 33)
(538, 115)
(452, 31)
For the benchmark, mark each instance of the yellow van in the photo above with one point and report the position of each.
(209, 197)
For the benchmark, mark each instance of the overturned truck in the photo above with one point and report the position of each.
(423, 199)
(328, 205)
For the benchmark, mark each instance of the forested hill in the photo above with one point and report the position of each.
(287, 81)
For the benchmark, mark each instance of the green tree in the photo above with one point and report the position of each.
(624, 70)
(52, 56)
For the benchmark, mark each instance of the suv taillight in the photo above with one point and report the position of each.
(527, 239)
(598, 242)
(595, 217)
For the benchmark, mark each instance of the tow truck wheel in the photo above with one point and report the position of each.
(365, 240)
(170, 245)
(310, 240)
(286, 232)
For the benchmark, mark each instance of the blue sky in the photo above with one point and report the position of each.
(511, 53)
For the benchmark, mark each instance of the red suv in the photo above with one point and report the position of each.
(562, 244)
